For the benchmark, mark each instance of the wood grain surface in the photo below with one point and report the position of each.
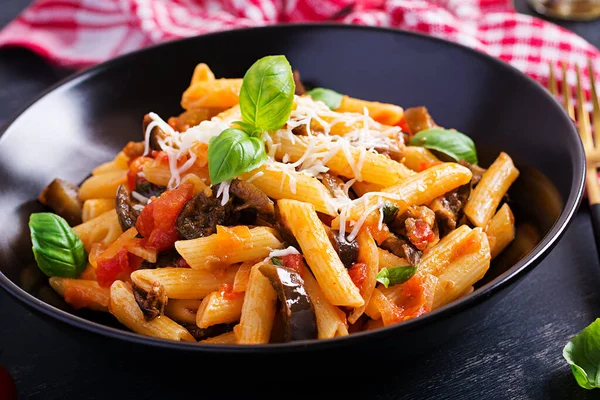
(515, 352)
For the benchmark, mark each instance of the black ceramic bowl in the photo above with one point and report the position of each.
(86, 120)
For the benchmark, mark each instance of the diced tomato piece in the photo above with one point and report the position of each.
(160, 156)
(358, 274)
(404, 126)
(157, 220)
(135, 167)
(421, 235)
(226, 292)
(118, 267)
(427, 164)
(293, 261)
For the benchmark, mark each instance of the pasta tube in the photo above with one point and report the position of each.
(324, 262)
(183, 283)
(124, 307)
(487, 195)
(229, 246)
(501, 230)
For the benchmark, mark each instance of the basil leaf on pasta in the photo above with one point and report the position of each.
(583, 355)
(452, 143)
(395, 275)
(232, 153)
(332, 99)
(267, 93)
(57, 249)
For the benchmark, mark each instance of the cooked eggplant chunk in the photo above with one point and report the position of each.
(347, 251)
(402, 248)
(201, 215)
(168, 258)
(448, 208)
(63, 198)
(300, 90)
(151, 303)
(476, 170)
(418, 119)
(127, 211)
(252, 197)
(300, 322)
(147, 189)
(206, 333)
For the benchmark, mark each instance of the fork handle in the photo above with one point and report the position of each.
(595, 209)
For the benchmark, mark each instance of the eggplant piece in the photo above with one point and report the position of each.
(252, 197)
(476, 170)
(448, 208)
(151, 303)
(134, 149)
(418, 119)
(168, 258)
(63, 198)
(206, 333)
(347, 251)
(300, 322)
(127, 211)
(300, 89)
(402, 248)
(154, 135)
(200, 216)
(147, 189)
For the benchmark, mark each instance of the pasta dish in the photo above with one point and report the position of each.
(269, 213)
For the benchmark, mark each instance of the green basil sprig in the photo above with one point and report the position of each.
(452, 143)
(277, 261)
(332, 99)
(395, 275)
(57, 249)
(266, 101)
(234, 152)
(583, 355)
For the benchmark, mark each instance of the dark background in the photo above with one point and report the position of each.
(515, 352)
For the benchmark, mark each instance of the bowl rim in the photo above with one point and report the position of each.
(499, 283)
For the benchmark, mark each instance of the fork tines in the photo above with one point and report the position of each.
(583, 122)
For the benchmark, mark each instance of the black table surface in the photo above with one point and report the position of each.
(515, 352)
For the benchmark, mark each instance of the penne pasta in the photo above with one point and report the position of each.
(229, 246)
(183, 283)
(95, 207)
(284, 183)
(159, 173)
(362, 188)
(124, 307)
(419, 158)
(202, 73)
(218, 93)
(501, 230)
(258, 310)
(182, 311)
(415, 190)
(225, 338)
(102, 230)
(446, 251)
(389, 260)
(374, 168)
(240, 282)
(387, 114)
(120, 163)
(488, 193)
(320, 255)
(103, 186)
(81, 293)
(469, 267)
(219, 308)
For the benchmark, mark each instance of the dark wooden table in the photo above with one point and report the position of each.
(515, 352)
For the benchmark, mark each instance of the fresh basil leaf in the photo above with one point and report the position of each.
(57, 249)
(277, 261)
(395, 275)
(332, 99)
(232, 153)
(244, 126)
(452, 143)
(390, 211)
(583, 355)
(267, 93)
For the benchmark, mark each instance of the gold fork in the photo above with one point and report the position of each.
(590, 145)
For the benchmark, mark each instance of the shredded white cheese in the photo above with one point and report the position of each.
(224, 191)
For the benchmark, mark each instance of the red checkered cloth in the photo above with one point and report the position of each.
(80, 33)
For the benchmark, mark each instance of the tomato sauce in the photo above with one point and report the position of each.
(118, 267)
(358, 274)
(293, 261)
(226, 292)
